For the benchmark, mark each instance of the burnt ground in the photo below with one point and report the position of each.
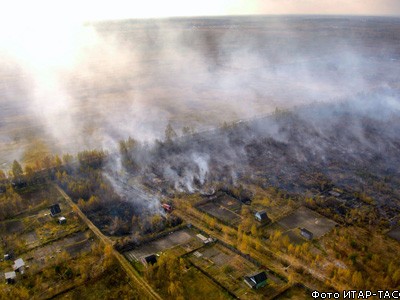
(306, 218)
(314, 148)
(12, 226)
(395, 233)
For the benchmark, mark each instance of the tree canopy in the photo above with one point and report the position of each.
(16, 169)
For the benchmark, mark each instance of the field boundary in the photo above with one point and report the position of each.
(129, 270)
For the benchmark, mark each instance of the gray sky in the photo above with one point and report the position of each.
(123, 9)
(353, 7)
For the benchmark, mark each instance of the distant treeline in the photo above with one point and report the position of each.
(47, 168)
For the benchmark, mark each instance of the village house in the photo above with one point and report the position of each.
(62, 220)
(19, 265)
(307, 234)
(262, 217)
(257, 280)
(55, 210)
(149, 260)
(10, 277)
(204, 239)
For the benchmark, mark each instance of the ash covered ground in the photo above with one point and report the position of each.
(315, 148)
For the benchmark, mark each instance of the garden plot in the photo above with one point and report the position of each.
(185, 238)
(11, 226)
(24, 234)
(31, 239)
(311, 220)
(229, 268)
(73, 245)
(224, 208)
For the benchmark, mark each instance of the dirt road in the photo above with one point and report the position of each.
(139, 282)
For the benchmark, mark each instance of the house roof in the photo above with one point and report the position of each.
(258, 277)
(62, 219)
(304, 230)
(262, 214)
(151, 259)
(55, 209)
(19, 263)
(10, 275)
(202, 237)
(249, 281)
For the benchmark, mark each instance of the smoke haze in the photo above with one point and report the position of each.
(131, 78)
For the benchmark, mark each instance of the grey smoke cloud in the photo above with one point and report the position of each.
(131, 78)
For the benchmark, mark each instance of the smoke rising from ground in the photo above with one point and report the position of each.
(131, 78)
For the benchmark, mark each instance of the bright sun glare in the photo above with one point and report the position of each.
(48, 37)
(49, 34)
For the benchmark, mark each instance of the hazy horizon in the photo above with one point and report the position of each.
(90, 86)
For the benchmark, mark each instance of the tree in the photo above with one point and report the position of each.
(17, 169)
(170, 133)
(108, 256)
(186, 130)
(29, 173)
(2, 175)
(254, 230)
(357, 280)
(127, 149)
(57, 161)
(127, 146)
(67, 158)
(47, 162)
(212, 223)
(92, 158)
(396, 278)
(157, 223)
(175, 289)
(93, 203)
(82, 204)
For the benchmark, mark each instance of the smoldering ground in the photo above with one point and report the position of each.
(132, 78)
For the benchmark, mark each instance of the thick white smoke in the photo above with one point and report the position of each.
(87, 86)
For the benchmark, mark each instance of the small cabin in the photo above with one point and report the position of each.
(62, 220)
(204, 239)
(149, 260)
(262, 217)
(19, 265)
(307, 234)
(55, 210)
(10, 277)
(257, 280)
